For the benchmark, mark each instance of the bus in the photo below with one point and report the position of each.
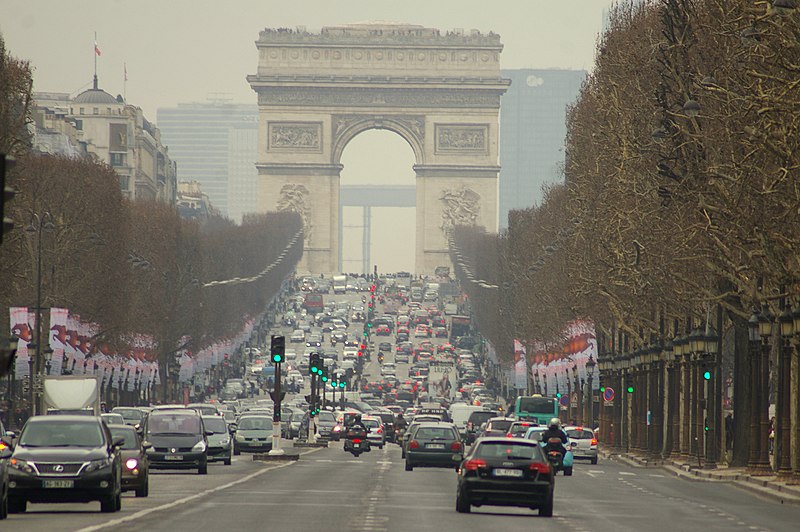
(536, 408)
(313, 303)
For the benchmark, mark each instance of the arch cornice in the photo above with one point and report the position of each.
(346, 126)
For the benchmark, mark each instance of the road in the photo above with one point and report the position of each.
(328, 489)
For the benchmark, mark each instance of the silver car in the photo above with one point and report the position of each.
(584, 443)
(377, 432)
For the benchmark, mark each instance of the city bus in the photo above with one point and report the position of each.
(313, 303)
(536, 408)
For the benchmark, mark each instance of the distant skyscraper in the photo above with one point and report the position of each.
(532, 131)
(214, 144)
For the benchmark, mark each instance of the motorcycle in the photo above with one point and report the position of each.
(356, 442)
(380, 358)
(560, 461)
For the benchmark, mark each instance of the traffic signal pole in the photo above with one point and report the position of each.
(276, 414)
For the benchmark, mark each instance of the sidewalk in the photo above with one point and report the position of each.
(766, 486)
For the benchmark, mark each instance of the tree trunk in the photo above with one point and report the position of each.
(741, 393)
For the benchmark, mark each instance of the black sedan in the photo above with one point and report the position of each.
(506, 472)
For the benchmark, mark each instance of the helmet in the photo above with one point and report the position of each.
(555, 423)
(357, 418)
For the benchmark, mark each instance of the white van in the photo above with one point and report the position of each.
(460, 414)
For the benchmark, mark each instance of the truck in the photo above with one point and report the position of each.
(71, 394)
(459, 326)
(339, 284)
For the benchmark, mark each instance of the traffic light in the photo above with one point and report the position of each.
(558, 395)
(706, 371)
(8, 194)
(314, 364)
(629, 383)
(342, 384)
(277, 348)
(601, 384)
(705, 425)
(324, 374)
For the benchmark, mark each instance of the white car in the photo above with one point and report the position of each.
(377, 434)
(350, 354)
(298, 335)
(388, 369)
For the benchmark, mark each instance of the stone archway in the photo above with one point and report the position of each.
(441, 93)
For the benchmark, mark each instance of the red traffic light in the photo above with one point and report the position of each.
(361, 353)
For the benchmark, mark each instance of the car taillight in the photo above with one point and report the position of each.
(543, 469)
(456, 446)
(356, 440)
(474, 464)
(413, 444)
(594, 441)
(380, 431)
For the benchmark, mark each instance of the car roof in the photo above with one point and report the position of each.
(513, 441)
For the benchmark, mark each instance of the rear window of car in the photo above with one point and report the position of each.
(370, 423)
(129, 435)
(173, 423)
(434, 433)
(255, 423)
(510, 450)
(580, 434)
(500, 425)
(216, 425)
(478, 418)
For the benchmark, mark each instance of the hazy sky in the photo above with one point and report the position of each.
(185, 50)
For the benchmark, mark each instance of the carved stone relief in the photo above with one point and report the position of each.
(472, 138)
(295, 136)
(461, 206)
(294, 197)
(415, 124)
(379, 98)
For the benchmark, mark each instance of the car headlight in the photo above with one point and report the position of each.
(225, 441)
(96, 465)
(199, 446)
(131, 463)
(21, 465)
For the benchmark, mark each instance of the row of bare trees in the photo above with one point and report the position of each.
(134, 268)
(681, 187)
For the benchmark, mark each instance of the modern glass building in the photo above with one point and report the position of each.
(215, 144)
(532, 132)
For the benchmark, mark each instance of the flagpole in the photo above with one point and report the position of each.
(94, 53)
(125, 81)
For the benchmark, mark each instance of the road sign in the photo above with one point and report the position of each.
(608, 395)
(564, 401)
(574, 399)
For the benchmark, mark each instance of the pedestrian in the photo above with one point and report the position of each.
(729, 431)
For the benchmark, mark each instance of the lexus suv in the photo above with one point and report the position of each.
(69, 458)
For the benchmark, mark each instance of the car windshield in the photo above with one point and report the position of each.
(62, 434)
(255, 423)
(172, 424)
(129, 435)
(327, 417)
(216, 425)
(500, 425)
(435, 433)
(508, 451)
(580, 434)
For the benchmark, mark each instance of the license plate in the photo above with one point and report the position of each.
(435, 446)
(175, 457)
(356, 445)
(58, 483)
(507, 473)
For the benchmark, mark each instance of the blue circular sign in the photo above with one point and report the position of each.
(564, 401)
(608, 395)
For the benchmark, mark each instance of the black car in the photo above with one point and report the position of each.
(384, 346)
(5, 452)
(68, 458)
(434, 444)
(178, 440)
(135, 468)
(506, 472)
(388, 424)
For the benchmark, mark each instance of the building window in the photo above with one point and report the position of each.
(118, 159)
(123, 182)
(79, 125)
(95, 111)
(82, 111)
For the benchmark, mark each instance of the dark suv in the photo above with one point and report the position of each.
(178, 440)
(65, 459)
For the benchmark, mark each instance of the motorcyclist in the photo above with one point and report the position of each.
(554, 438)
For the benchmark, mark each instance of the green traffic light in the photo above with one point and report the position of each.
(558, 396)
(602, 389)
(707, 375)
(630, 389)
(341, 385)
(277, 358)
(324, 378)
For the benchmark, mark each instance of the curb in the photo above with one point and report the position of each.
(314, 445)
(761, 486)
(286, 457)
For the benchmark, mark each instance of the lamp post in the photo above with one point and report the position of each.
(755, 381)
(590, 365)
(578, 395)
(794, 393)
(713, 400)
(37, 226)
(783, 404)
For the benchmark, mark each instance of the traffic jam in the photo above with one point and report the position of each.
(389, 364)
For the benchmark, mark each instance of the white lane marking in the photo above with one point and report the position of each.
(627, 474)
(656, 476)
(595, 471)
(184, 500)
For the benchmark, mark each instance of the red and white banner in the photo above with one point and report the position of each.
(22, 328)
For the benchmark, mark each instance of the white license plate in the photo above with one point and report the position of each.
(58, 483)
(507, 473)
(175, 457)
(435, 446)
(356, 445)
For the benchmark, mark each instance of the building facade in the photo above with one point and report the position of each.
(215, 144)
(532, 133)
(95, 123)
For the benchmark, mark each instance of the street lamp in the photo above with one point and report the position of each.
(765, 322)
(37, 225)
(590, 365)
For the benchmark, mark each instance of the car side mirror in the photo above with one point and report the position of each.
(147, 445)
(11, 434)
(118, 442)
(7, 441)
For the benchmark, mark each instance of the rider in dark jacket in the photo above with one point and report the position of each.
(554, 432)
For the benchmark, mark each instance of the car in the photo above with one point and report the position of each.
(497, 426)
(326, 422)
(111, 418)
(178, 439)
(5, 453)
(204, 409)
(388, 369)
(338, 337)
(350, 353)
(298, 335)
(131, 416)
(401, 336)
(377, 434)
(518, 429)
(220, 446)
(388, 418)
(422, 331)
(584, 443)
(67, 458)
(505, 472)
(434, 444)
(401, 357)
(252, 433)
(314, 340)
(384, 346)
(440, 332)
(135, 466)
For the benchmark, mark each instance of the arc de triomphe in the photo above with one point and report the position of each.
(439, 91)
